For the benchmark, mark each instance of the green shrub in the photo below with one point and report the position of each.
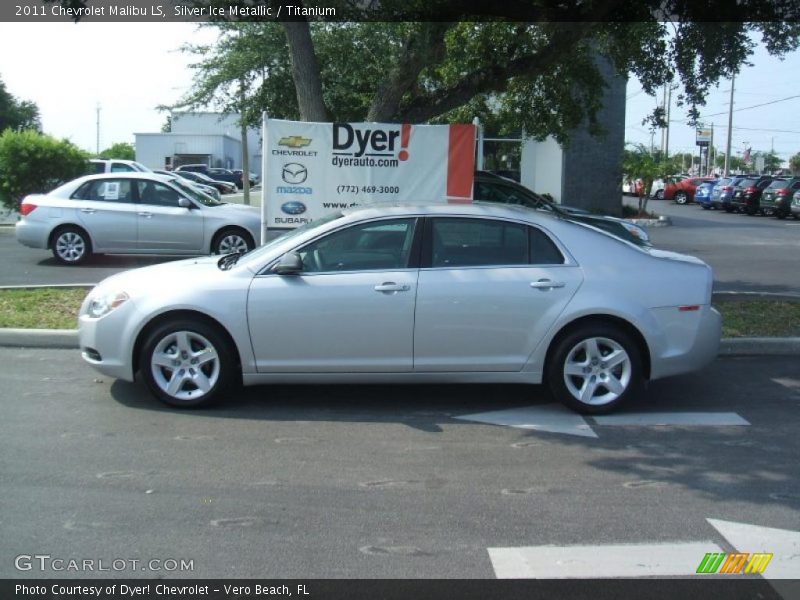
(32, 163)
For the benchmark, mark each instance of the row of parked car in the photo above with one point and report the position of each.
(214, 181)
(752, 194)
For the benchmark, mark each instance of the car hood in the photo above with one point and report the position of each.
(169, 275)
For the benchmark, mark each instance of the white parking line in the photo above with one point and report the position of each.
(552, 418)
(605, 561)
(698, 419)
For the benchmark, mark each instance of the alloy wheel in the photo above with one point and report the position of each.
(185, 365)
(70, 247)
(597, 371)
(232, 242)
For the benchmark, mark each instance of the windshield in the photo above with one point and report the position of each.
(779, 184)
(724, 181)
(195, 194)
(747, 182)
(258, 253)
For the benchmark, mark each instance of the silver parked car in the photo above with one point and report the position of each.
(134, 213)
(472, 293)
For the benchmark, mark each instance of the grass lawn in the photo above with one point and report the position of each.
(57, 308)
(41, 308)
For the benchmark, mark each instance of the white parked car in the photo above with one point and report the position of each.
(134, 213)
(474, 293)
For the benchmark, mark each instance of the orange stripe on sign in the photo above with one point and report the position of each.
(461, 161)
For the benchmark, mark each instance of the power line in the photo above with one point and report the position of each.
(749, 107)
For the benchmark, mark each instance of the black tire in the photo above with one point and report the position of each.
(164, 340)
(681, 198)
(750, 210)
(728, 208)
(659, 195)
(570, 347)
(781, 215)
(705, 207)
(71, 245)
(223, 241)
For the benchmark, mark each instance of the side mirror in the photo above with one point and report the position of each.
(289, 264)
(184, 203)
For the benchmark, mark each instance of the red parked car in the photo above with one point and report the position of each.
(683, 191)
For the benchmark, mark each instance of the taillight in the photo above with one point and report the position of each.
(26, 209)
(782, 192)
(750, 190)
(727, 188)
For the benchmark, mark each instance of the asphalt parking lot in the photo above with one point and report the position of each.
(393, 481)
(747, 253)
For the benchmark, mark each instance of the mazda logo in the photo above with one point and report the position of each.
(294, 173)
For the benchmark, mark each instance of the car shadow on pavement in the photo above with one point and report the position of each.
(421, 407)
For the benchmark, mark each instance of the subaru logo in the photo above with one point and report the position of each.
(293, 208)
(294, 173)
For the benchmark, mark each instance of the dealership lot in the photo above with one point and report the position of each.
(388, 481)
(747, 253)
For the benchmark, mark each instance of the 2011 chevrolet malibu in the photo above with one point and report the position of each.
(473, 293)
(134, 213)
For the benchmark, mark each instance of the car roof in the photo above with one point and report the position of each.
(132, 175)
(477, 209)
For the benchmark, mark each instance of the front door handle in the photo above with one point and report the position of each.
(547, 284)
(391, 286)
(146, 215)
(88, 211)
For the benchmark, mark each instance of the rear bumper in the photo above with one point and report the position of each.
(32, 233)
(692, 344)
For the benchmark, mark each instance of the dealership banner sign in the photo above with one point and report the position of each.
(313, 169)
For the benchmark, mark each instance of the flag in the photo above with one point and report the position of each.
(746, 157)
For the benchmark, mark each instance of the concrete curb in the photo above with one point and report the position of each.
(39, 338)
(68, 339)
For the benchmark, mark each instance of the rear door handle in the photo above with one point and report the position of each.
(391, 286)
(546, 284)
(147, 215)
(88, 211)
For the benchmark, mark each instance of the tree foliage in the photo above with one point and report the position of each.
(794, 163)
(539, 77)
(120, 150)
(17, 114)
(639, 163)
(33, 163)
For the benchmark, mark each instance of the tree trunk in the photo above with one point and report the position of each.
(305, 71)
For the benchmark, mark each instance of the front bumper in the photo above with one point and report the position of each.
(106, 343)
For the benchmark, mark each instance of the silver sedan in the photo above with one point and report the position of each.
(477, 293)
(134, 213)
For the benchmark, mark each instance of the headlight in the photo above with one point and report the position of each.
(636, 231)
(104, 303)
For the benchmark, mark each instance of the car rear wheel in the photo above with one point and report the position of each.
(228, 241)
(750, 210)
(681, 197)
(595, 369)
(781, 214)
(728, 208)
(660, 195)
(187, 363)
(71, 246)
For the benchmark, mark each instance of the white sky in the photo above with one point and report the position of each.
(130, 68)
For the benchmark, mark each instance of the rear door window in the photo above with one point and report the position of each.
(105, 190)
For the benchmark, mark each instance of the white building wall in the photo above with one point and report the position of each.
(542, 167)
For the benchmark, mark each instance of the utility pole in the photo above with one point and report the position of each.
(664, 129)
(97, 151)
(669, 105)
(730, 130)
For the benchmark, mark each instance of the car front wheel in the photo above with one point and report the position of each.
(71, 246)
(681, 197)
(595, 369)
(228, 241)
(187, 364)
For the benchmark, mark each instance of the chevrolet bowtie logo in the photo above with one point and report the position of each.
(294, 141)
